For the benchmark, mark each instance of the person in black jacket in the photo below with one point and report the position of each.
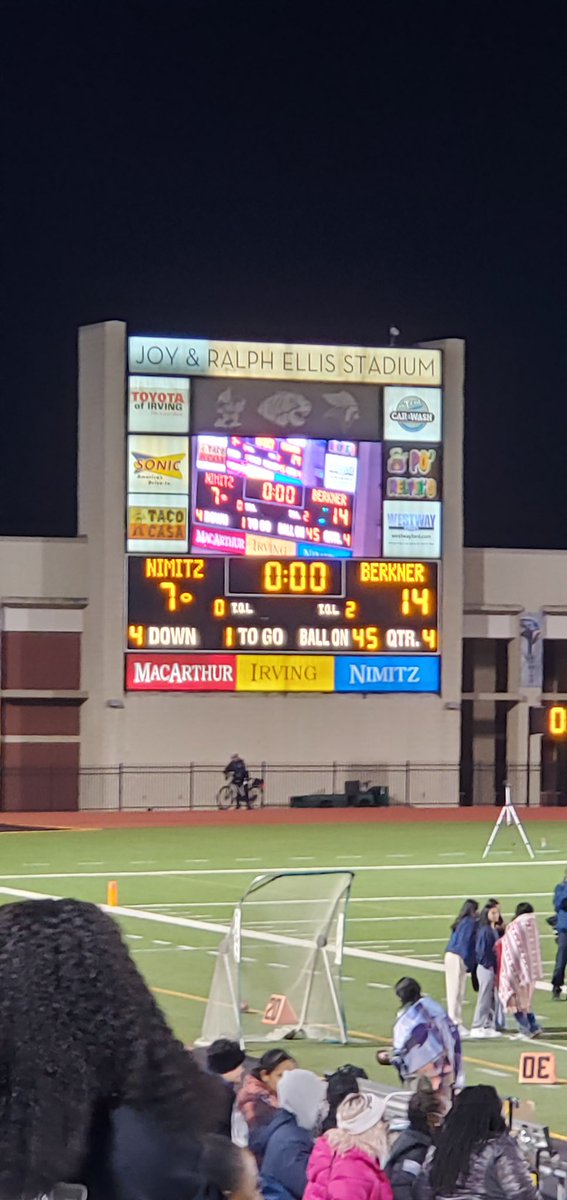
(425, 1112)
(226, 1059)
(94, 1087)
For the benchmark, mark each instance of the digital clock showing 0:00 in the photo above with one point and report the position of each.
(284, 577)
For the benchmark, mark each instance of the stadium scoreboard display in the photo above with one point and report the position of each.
(283, 604)
(283, 527)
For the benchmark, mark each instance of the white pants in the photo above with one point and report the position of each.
(455, 983)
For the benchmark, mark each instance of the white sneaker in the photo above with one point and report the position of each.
(491, 1033)
(476, 1033)
(464, 1031)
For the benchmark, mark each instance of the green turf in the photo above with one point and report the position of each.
(401, 906)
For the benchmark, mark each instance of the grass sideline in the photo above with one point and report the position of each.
(410, 882)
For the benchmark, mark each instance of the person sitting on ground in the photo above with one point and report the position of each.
(426, 1111)
(226, 1059)
(228, 1172)
(475, 1155)
(286, 1143)
(520, 969)
(340, 1084)
(346, 1161)
(460, 959)
(258, 1097)
(425, 1041)
(94, 1087)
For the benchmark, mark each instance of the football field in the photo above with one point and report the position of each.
(182, 884)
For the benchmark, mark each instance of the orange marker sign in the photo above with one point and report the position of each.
(278, 1011)
(537, 1066)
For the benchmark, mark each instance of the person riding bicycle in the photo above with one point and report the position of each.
(237, 772)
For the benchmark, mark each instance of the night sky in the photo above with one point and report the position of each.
(269, 171)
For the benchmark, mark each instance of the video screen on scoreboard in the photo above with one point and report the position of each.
(293, 496)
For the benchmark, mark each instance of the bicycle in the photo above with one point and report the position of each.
(251, 792)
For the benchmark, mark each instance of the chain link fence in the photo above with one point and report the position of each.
(194, 787)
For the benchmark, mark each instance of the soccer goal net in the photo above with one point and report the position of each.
(278, 970)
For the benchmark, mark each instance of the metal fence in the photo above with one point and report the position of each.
(195, 787)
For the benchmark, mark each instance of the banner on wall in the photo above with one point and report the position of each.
(158, 405)
(412, 414)
(255, 408)
(411, 529)
(412, 472)
(157, 527)
(383, 673)
(158, 465)
(531, 650)
(277, 360)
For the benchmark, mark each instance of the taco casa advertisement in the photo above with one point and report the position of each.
(157, 527)
(412, 414)
(158, 465)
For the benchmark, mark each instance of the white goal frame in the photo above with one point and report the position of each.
(322, 960)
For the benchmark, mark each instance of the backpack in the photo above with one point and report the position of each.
(272, 1189)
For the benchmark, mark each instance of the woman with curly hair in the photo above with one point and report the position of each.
(94, 1087)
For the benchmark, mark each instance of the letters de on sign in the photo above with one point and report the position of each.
(537, 1066)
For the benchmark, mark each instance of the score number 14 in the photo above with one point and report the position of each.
(421, 599)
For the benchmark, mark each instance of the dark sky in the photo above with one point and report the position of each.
(267, 170)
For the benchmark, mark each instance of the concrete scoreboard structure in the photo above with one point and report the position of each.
(270, 559)
(280, 668)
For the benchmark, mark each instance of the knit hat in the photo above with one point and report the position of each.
(358, 1114)
(303, 1094)
(224, 1056)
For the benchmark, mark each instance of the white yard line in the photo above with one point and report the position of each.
(472, 866)
(353, 900)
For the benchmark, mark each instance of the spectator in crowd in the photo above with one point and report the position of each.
(226, 1059)
(488, 932)
(346, 1161)
(426, 1111)
(340, 1084)
(460, 960)
(258, 1097)
(560, 906)
(520, 969)
(228, 1172)
(425, 1040)
(285, 1144)
(475, 1154)
(94, 1088)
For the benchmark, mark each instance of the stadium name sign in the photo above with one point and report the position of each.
(266, 360)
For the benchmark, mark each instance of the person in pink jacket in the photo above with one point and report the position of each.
(345, 1162)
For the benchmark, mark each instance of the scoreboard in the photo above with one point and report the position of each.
(291, 606)
(284, 517)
